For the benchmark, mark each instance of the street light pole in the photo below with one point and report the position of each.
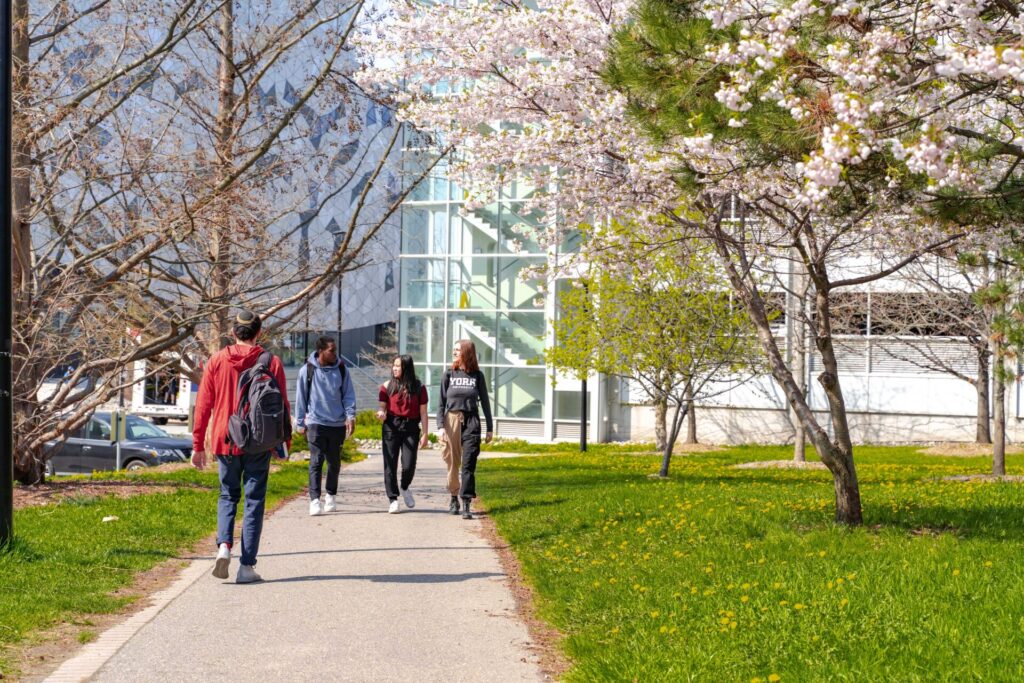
(340, 280)
(583, 416)
(6, 286)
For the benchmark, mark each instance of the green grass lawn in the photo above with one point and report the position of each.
(720, 574)
(65, 561)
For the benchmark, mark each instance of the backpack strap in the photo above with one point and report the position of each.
(309, 382)
(246, 379)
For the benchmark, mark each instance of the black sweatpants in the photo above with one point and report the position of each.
(399, 436)
(470, 453)
(324, 444)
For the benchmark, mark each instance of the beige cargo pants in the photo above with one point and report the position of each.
(451, 449)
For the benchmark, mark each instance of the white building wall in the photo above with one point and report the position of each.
(892, 409)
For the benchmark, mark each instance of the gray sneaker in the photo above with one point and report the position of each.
(407, 497)
(247, 574)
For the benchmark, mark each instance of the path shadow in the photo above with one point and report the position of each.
(392, 578)
(372, 550)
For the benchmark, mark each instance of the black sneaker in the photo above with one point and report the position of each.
(466, 514)
(453, 507)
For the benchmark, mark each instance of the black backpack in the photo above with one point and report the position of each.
(260, 422)
(310, 368)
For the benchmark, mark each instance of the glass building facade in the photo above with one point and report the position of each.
(460, 279)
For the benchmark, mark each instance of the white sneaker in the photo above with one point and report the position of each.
(329, 504)
(220, 566)
(407, 497)
(314, 508)
(393, 508)
(247, 574)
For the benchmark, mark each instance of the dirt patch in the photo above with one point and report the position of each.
(986, 478)
(967, 450)
(695, 448)
(53, 493)
(780, 465)
(544, 638)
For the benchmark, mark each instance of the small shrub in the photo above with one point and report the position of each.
(367, 418)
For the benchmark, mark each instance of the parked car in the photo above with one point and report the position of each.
(89, 448)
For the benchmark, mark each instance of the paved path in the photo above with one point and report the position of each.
(355, 595)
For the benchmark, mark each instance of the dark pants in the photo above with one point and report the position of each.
(470, 453)
(236, 471)
(324, 444)
(399, 435)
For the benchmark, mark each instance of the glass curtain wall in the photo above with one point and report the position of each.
(460, 280)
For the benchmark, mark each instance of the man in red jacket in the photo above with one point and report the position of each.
(217, 400)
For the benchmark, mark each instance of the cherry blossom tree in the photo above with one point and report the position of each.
(839, 139)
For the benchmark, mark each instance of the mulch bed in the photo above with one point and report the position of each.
(52, 493)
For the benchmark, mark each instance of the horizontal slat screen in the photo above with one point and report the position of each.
(519, 428)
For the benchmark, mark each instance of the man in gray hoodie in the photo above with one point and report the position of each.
(326, 412)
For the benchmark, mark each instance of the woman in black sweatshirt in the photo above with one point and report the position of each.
(463, 396)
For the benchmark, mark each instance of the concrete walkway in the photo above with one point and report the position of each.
(354, 595)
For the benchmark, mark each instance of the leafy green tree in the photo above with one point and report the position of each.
(662, 318)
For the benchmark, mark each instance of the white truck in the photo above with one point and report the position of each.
(162, 396)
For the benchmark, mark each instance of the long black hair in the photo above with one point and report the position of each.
(408, 382)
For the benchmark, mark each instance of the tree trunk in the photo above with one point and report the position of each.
(660, 418)
(840, 450)
(800, 373)
(837, 456)
(220, 256)
(673, 434)
(983, 434)
(27, 369)
(797, 349)
(691, 416)
(999, 409)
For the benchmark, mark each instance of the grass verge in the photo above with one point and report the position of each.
(727, 574)
(65, 562)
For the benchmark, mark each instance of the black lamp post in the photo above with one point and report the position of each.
(6, 286)
(583, 416)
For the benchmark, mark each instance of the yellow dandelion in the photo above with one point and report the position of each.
(744, 598)
(774, 678)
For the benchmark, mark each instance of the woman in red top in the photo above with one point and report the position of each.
(403, 410)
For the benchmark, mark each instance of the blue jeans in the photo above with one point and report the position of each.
(236, 471)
